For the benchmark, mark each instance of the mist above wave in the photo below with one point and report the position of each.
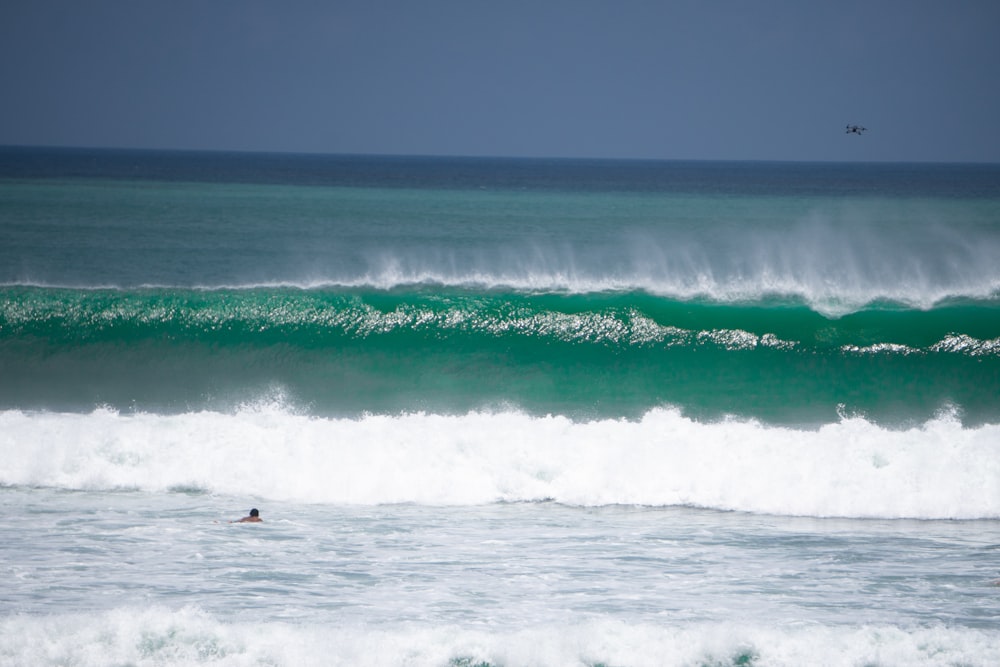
(835, 253)
(834, 263)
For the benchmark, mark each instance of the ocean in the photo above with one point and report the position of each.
(497, 412)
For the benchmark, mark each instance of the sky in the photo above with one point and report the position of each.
(664, 79)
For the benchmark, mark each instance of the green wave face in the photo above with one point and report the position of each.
(348, 351)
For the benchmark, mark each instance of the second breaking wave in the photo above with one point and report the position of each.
(343, 353)
(348, 352)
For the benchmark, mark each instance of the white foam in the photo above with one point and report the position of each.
(158, 636)
(852, 468)
(967, 345)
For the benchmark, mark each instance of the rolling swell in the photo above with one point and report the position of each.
(609, 354)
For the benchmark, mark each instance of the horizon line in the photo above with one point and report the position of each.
(453, 156)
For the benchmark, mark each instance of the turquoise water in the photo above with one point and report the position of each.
(504, 412)
(346, 351)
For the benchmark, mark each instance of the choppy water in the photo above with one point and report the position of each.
(535, 583)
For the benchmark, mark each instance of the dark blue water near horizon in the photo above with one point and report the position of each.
(506, 173)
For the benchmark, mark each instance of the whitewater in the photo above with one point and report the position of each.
(497, 412)
(852, 468)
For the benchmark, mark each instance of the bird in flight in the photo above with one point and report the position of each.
(855, 129)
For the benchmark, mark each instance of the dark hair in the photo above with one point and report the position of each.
(254, 512)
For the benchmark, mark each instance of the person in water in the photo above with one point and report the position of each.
(253, 518)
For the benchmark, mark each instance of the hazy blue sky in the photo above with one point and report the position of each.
(701, 79)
